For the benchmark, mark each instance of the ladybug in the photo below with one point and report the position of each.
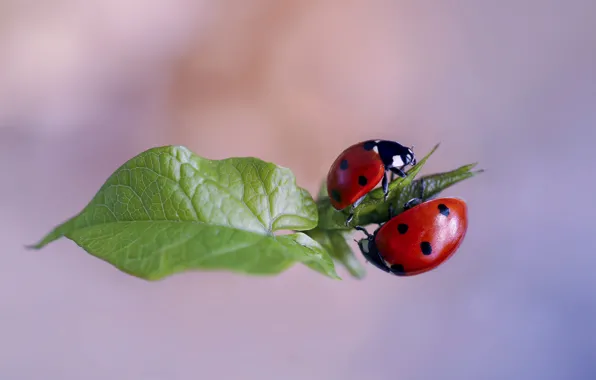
(359, 168)
(419, 239)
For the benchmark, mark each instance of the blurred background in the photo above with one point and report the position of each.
(86, 85)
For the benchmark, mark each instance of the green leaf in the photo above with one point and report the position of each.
(167, 210)
(374, 209)
(334, 241)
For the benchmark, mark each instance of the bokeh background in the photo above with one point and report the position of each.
(86, 85)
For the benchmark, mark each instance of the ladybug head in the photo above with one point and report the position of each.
(395, 155)
(410, 158)
(365, 245)
(371, 253)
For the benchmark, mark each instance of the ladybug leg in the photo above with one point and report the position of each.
(358, 201)
(394, 171)
(350, 217)
(391, 211)
(354, 205)
(385, 185)
(411, 203)
(362, 229)
(422, 188)
(397, 171)
(416, 201)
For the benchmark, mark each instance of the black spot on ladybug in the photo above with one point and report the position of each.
(398, 269)
(402, 228)
(343, 165)
(335, 195)
(426, 248)
(362, 181)
(369, 145)
(444, 209)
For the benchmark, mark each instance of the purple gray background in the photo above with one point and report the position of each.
(86, 85)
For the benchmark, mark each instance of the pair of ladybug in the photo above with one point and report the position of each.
(417, 240)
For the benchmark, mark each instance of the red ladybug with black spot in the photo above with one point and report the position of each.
(419, 239)
(360, 168)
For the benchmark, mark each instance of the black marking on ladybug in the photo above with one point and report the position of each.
(426, 248)
(402, 228)
(343, 165)
(398, 269)
(444, 209)
(336, 195)
(369, 145)
(362, 181)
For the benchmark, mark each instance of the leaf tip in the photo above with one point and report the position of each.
(39, 245)
(434, 149)
(472, 166)
(422, 161)
(331, 272)
(357, 272)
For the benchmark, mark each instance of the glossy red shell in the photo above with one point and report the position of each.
(344, 181)
(425, 224)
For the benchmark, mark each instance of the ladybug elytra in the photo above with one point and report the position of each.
(419, 239)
